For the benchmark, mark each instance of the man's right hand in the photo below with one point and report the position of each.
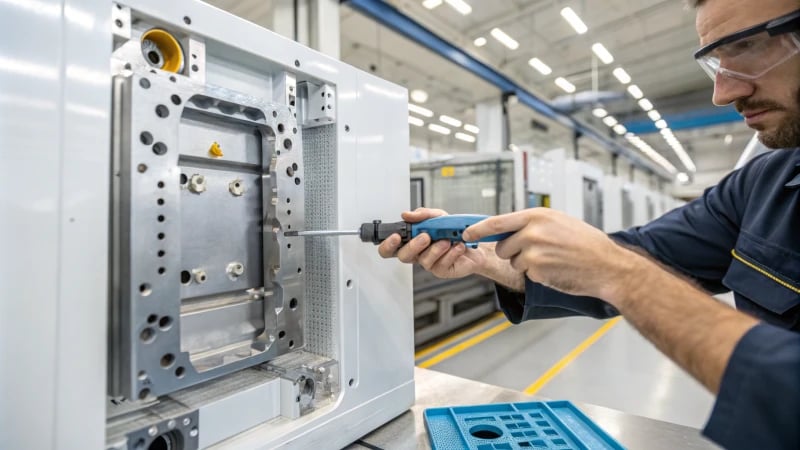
(440, 258)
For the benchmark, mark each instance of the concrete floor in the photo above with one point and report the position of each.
(621, 370)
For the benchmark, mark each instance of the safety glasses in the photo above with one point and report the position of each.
(752, 52)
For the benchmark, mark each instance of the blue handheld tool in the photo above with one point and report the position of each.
(440, 228)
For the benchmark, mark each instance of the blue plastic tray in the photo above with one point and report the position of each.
(506, 426)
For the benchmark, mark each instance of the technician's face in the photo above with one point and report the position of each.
(770, 104)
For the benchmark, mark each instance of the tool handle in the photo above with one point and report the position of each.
(450, 228)
(377, 231)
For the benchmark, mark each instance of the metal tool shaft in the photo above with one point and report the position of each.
(322, 233)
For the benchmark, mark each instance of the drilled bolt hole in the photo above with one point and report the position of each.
(281, 128)
(152, 318)
(281, 334)
(287, 144)
(144, 393)
(161, 185)
(160, 202)
(180, 372)
(293, 303)
(161, 253)
(297, 181)
(165, 322)
(186, 277)
(145, 289)
(147, 335)
(167, 360)
(162, 111)
(184, 178)
(162, 270)
(142, 168)
(291, 344)
(144, 83)
(161, 236)
(176, 100)
(187, 20)
(146, 138)
(160, 148)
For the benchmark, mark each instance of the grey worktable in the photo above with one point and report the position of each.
(435, 389)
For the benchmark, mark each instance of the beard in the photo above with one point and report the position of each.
(787, 133)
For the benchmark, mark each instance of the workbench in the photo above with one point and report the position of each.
(435, 389)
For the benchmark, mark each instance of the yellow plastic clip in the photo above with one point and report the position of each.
(215, 151)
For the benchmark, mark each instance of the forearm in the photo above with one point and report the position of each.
(685, 323)
(500, 270)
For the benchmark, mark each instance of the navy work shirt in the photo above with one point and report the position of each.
(742, 235)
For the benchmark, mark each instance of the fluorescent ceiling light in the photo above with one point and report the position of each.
(439, 129)
(504, 39)
(682, 177)
(513, 147)
(610, 121)
(635, 91)
(543, 68)
(452, 121)
(565, 85)
(460, 6)
(654, 115)
(472, 128)
(419, 96)
(621, 75)
(569, 15)
(430, 4)
(645, 104)
(465, 137)
(602, 53)
(420, 110)
(620, 129)
(599, 113)
(661, 124)
(416, 121)
(479, 42)
(728, 139)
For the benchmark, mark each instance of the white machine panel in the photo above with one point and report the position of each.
(170, 309)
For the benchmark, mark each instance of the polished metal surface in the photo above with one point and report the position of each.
(204, 282)
(435, 389)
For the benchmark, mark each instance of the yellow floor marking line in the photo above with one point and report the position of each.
(449, 353)
(433, 348)
(564, 362)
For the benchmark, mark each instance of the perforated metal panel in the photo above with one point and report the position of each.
(321, 288)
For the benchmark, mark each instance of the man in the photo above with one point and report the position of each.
(742, 235)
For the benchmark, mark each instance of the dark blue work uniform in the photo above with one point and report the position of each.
(742, 235)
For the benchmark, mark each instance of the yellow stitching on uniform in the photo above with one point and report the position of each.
(764, 272)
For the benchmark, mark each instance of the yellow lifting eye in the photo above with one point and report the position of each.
(162, 51)
(215, 150)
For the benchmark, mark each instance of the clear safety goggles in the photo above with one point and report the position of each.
(752, 52)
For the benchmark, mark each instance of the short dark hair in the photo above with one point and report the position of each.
(695, 3)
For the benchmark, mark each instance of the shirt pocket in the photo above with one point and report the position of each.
(764, 273)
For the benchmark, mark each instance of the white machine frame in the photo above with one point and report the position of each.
(55, 122)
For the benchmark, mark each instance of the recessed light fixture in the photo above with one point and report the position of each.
(504, 39)
(635, 91)
(420, 110)
(452, 121)
(621, 75)
(610, 121)
(416, 121)
(572, 18)
(565, 85)
(460, 5)
(645, 104)
(620, 129)
(654, 115)
(479, 42)
(465, 137)
(543, 68)
(472, 128)
(438, 128)
(430, 4)
(419, 96)
(602, 52)
(599, 113)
